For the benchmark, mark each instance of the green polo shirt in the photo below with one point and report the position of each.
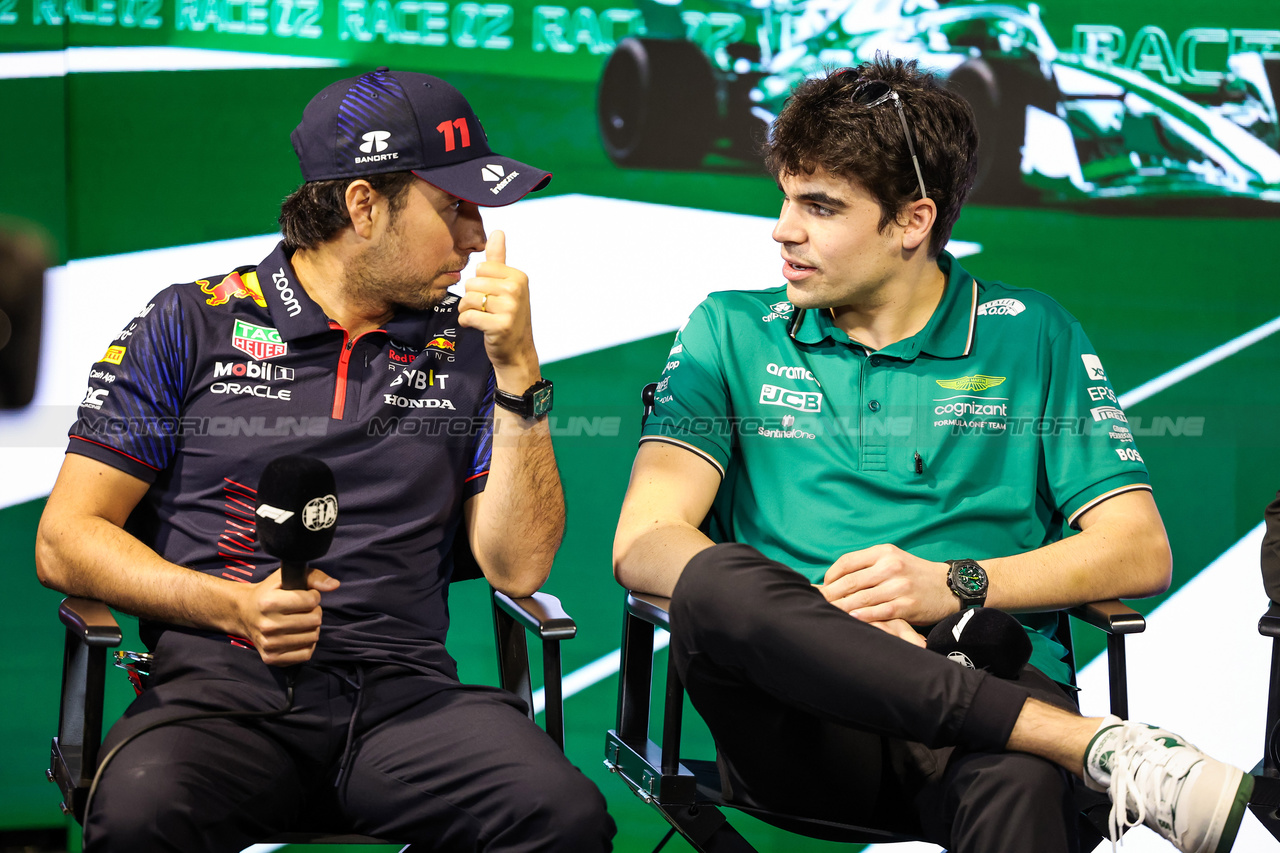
(985, 435)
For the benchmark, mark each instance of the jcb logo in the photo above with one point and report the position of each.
(801, 401)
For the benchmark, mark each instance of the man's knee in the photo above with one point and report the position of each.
(564, 811)
(727, 579)
(134, 808)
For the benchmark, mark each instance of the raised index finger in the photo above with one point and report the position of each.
(496, 249)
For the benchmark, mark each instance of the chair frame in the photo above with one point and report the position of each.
(91, 629)
(1265, 802)
(687, 792)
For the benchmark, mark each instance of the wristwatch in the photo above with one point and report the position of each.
(968, 581)
(534, 403)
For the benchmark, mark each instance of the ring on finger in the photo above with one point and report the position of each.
(484, 301)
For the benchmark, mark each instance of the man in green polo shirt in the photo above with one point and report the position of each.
(877, 445)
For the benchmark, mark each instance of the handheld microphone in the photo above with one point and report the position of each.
(297, 510)
(983, 638)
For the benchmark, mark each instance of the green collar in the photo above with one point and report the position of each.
(948, 334)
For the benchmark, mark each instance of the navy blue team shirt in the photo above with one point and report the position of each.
(215, 378)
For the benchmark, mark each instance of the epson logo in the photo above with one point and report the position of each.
(252, 370)
(286, 292)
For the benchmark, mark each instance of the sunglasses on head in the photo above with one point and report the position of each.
(873, 93)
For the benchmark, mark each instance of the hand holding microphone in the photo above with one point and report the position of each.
(296, 514)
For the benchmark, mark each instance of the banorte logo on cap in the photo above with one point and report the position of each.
(493, 172)
(375, 142)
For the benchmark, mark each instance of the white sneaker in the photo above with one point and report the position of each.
(1157, 778)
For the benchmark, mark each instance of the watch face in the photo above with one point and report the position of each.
(971, 579)
(542, 401)
(968, 579)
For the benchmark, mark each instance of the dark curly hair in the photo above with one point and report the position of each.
(317, 210)
(820, 127)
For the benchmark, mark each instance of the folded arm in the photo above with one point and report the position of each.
(670, 493)
(1122, 551)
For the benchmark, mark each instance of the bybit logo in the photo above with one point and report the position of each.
(375, 140)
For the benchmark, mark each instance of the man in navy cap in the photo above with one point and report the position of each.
(338, 700)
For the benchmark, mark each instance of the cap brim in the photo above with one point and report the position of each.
(488, 181)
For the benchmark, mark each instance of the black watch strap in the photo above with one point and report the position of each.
(535, 402)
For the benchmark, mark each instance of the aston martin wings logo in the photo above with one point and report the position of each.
(977, 382)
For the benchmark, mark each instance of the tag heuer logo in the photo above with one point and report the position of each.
(259, 342)
(374, 140)
(492, 172)
(977, 382)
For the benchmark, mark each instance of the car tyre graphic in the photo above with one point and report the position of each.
(999, 95)
(656, 104)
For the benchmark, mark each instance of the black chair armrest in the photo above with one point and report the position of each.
(91, 630)
(1269, 624)
(540, 613)
(91, 621)
(654, 609)
(1112, 616)
(1116, 619)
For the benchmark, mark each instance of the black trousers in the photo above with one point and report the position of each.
(379, 751)
(815, 713)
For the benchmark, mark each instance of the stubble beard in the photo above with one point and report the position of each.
(377, 279)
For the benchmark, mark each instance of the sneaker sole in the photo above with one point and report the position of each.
(1244, 790)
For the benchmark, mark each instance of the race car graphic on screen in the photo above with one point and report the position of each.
(1054, 126)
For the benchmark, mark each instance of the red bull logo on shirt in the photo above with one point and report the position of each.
(260, 342)
(232, 287)
(442, 344)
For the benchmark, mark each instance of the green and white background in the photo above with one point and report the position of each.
(150, 137)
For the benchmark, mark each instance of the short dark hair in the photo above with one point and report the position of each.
(821, 128)
(317, 210)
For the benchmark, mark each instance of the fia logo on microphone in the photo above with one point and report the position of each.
(320, 513)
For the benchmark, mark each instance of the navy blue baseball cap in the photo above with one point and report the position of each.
(403, 121)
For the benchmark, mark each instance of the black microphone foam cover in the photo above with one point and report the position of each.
(983, 638)
(297, 508)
